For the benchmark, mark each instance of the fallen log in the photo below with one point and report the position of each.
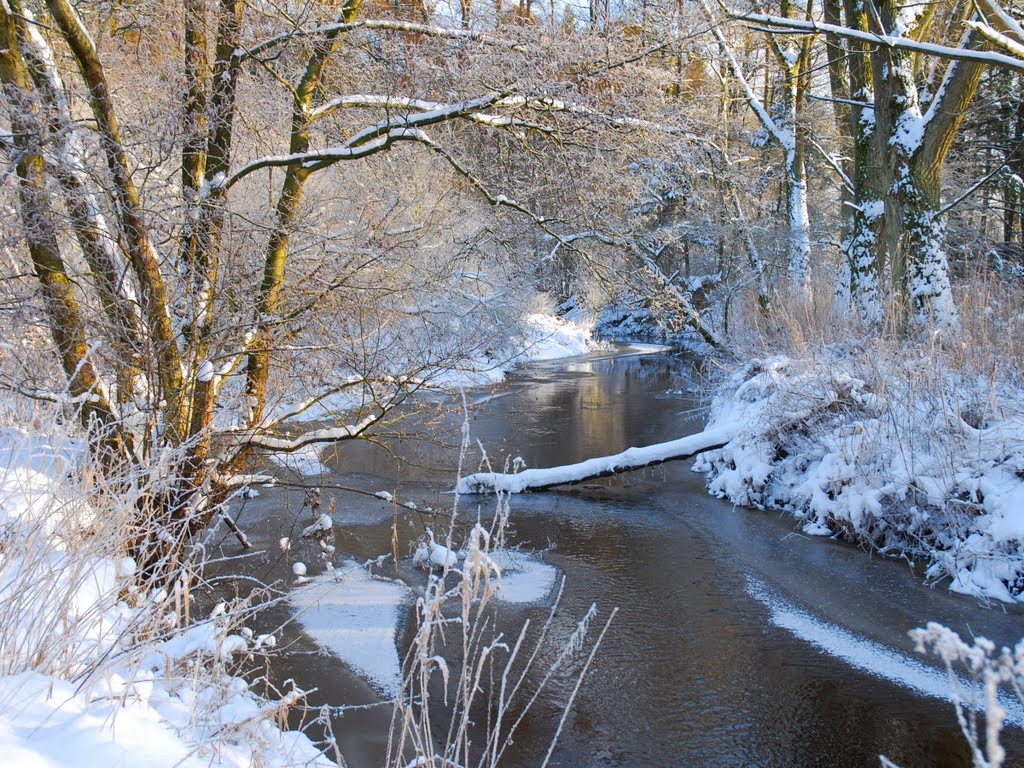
(602, 466)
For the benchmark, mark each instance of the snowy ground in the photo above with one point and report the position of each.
(543, 335)
(906, 456)
(87, 679)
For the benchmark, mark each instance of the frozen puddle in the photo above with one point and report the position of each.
(525, 578)
(355, 617)
(866, 655)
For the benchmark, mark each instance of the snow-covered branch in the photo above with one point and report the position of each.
(371, 101)
(376, 138)
(832, 163)
(783, 136)
(780, 24)
(603, 466)
(381, 25)
(682, 299)
(997, 38)
(278, 444)
(998, 19)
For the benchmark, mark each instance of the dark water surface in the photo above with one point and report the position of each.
(694, 671)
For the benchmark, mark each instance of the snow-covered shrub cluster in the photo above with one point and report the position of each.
(100, 665)
(913, 447)
(655, 317)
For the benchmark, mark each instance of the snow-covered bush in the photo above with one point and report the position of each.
(912, 445)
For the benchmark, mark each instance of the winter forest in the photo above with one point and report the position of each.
(414, 383)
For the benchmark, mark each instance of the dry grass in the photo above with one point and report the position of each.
(907, 442)
(462, 671)
(74, 607)
(989, 342)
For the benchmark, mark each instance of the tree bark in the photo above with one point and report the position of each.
(259, 360)
(140, 250)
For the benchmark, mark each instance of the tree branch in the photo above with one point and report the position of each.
(803, 27)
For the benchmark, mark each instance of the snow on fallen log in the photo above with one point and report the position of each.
(602, 466)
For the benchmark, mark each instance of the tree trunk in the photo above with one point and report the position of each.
(153, 292)
(89, 395)
(259, 362)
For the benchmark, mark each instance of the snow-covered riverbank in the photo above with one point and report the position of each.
(907, 457)
(95, 671)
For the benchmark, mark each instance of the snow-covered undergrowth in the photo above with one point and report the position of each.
(97, 666)
(542, 334)
(535, 331)
(911, 446)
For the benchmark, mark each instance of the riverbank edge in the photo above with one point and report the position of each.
(851, 451)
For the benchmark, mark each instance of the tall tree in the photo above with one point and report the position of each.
(904, 114)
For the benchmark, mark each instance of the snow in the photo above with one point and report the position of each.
(548, 336)
(78, 685)
(323, 524)
(525, 577)
(869, 450)
(544, 335)
(303, 461)
(356, 617)
(866, 655)
(141, 722)
(430, 554)
(603, 465)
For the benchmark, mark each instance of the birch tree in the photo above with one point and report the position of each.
(912, 70)
(785, 129)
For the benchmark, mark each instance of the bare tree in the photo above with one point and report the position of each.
(214, 268)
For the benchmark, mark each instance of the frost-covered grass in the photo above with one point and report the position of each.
(466, 687)
(910, 444)
(99, 665)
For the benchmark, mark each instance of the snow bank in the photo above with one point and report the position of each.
(144, 720)
(87, 679)
(542, 335)
(356, 617)
(900, 456)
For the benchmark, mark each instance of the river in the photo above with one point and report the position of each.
(738, 640)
